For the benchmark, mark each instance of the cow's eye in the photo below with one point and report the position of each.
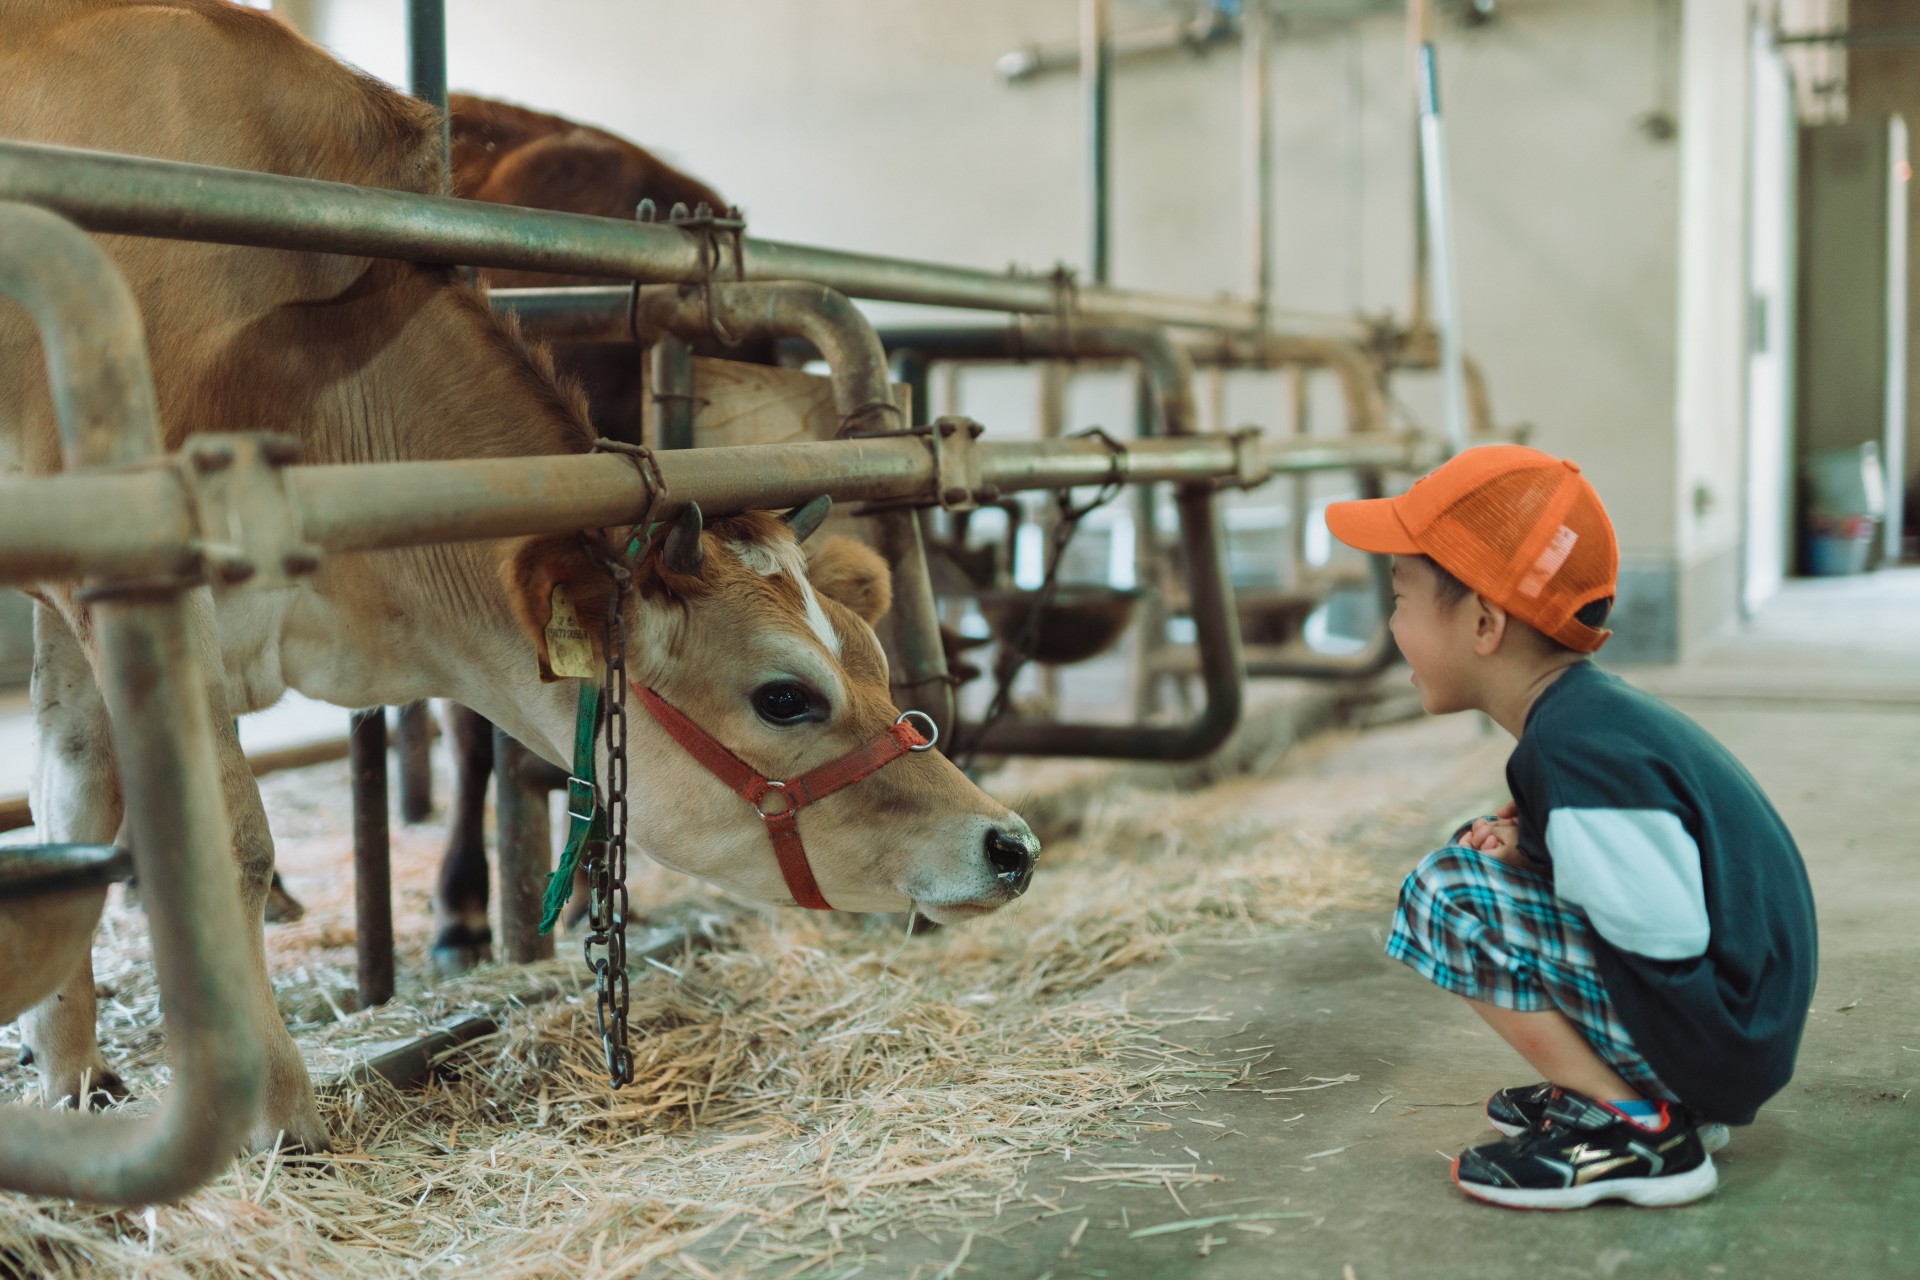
(784, 702)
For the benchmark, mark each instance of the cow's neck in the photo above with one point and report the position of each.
(434, 621)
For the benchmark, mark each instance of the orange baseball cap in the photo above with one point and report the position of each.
(1523, 528)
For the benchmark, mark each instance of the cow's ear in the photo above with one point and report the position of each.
(853, 574)
(562, 597)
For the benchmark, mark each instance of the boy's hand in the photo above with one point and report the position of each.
(1497, 834)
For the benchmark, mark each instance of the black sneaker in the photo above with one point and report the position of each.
(1521, 1109)
(1585, 1151)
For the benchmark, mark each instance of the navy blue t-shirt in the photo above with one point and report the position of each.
(1699, 901)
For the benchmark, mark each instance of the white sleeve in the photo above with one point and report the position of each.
(1636, 875)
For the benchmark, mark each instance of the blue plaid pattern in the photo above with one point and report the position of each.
(1478, 927)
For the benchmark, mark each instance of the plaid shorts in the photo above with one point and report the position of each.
(1473, 925)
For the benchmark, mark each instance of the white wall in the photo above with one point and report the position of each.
(881, 126)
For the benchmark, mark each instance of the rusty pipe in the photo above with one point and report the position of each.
(162, 730)
(863, 397)
(170, 199)
(1169, 374)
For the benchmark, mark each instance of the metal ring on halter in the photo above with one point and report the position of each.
(759, 806)
(932, 733)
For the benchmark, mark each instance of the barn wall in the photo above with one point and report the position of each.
(882, 127)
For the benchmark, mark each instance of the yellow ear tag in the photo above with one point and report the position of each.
(569, 652)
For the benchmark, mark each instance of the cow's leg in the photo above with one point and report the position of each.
(465, 938)
(76, 800)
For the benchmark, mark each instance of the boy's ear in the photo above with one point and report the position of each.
(1490, 625)
(562, 598)
(853, 574)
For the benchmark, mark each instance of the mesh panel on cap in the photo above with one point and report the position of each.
(1534, 540)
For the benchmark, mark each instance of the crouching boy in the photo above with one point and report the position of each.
(1637, 923)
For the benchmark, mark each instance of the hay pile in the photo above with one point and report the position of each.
(809, 1088)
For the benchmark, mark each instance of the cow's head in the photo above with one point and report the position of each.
(773, 653)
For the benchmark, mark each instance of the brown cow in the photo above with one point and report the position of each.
(368, 361)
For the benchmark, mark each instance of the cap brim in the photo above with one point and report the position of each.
(1371, 524)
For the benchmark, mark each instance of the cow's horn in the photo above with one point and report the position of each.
(806, 519)
(683, 552)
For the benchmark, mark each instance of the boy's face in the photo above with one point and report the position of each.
(1437, 637)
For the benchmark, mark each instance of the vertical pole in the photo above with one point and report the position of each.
(413, 744)
(427, 62)
(1419, 36)
(1147, 566)
(525, 833)
(1096, 79)
(671, 386)
(372, 855)
(1302, 483)
(1257, 78)
(1445, 294)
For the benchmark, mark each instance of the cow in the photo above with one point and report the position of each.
(369, 361)
(508, 154)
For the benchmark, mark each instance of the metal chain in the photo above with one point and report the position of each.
(1016, 656)
(607, 861)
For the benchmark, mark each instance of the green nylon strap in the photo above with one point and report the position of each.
(586, 819)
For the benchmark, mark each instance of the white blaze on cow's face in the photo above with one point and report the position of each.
(776, 658)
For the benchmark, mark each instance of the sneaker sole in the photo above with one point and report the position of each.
(1650, 1193)
(1714, 1137)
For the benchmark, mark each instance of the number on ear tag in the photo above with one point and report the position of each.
(569, 651)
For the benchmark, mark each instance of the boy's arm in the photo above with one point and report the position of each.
(1636, 875)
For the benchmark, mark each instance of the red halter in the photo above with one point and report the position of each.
(783, 824)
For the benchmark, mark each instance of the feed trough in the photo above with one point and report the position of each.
(1078, 623)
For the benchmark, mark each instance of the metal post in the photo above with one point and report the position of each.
(1419, 35)
(102, 393)
(1446, 296)
(1257, 92)
(427, 66)
(524, 831)
(864, 398)
(1170, 412)
(1149, 569)
(671, 388)
(1096, 79)
(413, 744)
(135, 195)
(372, 855)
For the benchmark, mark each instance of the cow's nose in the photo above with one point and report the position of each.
(1011, 855)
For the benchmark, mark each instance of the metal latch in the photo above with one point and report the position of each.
(957, 479)
(246, 522)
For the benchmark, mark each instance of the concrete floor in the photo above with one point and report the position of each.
(1822, 700)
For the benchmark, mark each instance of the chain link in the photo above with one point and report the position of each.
(607, 861)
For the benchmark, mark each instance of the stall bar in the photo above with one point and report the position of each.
(134, 195)
(49, 526)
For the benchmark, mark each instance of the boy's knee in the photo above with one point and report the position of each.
(1447, 873)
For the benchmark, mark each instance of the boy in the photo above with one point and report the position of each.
(1637, 923)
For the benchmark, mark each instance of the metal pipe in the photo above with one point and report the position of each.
(372, 855)
(427, 68)
(1257, 184)
(1446, 298)
(863, 397)
(669, 386)
(373, 506)
(162, 729)
(1172, 412)
(168, 199)
(1096, 82)
(413, 745)
(1195, 35)
(525, 841)
(1419, 35)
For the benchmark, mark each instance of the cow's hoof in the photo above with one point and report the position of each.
(282, 907)
(26, 1055)
(460, 947)
(103, 1086)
